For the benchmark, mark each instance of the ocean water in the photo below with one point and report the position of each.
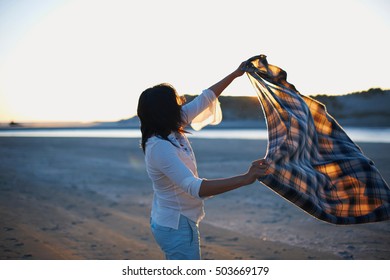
(370, 135)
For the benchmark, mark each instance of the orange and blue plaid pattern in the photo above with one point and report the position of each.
(313, 162)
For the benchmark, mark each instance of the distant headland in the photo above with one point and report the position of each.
(368, 108)
(361, 109)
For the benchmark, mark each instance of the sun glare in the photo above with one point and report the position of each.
(89, 60)
(71, 70)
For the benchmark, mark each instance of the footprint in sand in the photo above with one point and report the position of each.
(210, 238)
(11, 239)
(345, 255)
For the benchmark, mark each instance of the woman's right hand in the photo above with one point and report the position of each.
(257, 169)
(240, 70)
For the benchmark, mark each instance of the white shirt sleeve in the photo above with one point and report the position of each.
(205, 109)
(165, 157)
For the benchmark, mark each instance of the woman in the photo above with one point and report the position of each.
(170, 162)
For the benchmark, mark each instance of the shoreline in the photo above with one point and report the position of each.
(362, 135)
(239, 124)
(89, 198)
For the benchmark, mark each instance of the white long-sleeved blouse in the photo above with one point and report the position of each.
(172, 168)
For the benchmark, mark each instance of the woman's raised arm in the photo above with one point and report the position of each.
(219, 87)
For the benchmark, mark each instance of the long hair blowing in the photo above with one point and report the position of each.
(159, 111)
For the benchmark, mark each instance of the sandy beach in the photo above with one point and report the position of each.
(89, 198)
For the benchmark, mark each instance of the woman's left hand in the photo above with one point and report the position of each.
(257, 169)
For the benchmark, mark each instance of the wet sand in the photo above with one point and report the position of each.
(89, 198)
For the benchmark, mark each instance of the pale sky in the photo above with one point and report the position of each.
(89, 60)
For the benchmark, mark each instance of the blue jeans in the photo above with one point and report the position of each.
(178, 244)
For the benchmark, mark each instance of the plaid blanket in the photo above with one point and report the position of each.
(313, 162)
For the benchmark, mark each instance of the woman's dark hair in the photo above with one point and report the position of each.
(159, 110)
